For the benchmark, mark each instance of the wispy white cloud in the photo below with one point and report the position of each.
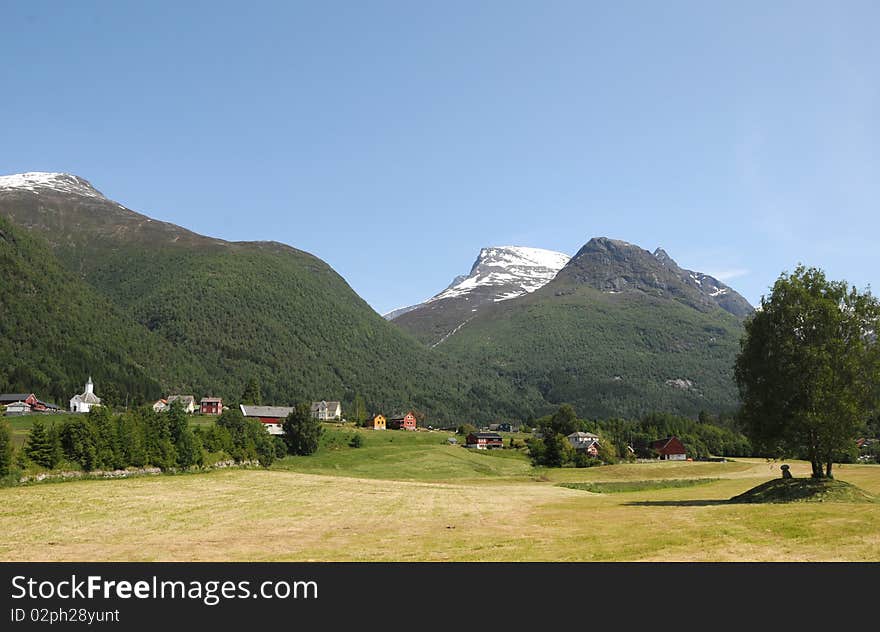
(732, 273)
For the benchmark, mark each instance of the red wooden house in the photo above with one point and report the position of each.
(10, 398)
(211, 405)
(669, 449)
(406, 422)
(27, 398)
(484, 440)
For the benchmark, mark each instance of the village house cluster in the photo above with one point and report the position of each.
(272, 417)
(206, 405)
(397, 422)
(17, 404)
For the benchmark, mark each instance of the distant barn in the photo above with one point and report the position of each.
(24, 403)
(669, 449)
(272, 417)
(485, 440)
(11, 398)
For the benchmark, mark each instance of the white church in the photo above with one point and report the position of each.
(84, 402)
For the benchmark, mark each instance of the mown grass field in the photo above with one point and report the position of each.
(415, 498)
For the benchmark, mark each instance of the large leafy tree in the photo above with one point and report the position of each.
(554, 449)
(808, 368)
(564, 421)
(302, 432)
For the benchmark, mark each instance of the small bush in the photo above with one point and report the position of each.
(356, 441)
(280, 447)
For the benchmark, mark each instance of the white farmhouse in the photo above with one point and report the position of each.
(326, 411)
(187, 401)
(84, 402)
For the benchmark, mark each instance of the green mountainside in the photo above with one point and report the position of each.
(177, 311)
(56, 330)
(149, 308)
(616, 333)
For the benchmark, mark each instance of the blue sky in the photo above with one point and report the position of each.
(395, 139)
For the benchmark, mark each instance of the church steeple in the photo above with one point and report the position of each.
(90, 386)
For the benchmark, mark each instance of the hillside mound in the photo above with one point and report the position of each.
(812, 490)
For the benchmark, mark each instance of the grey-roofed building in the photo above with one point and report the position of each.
(584, 442)
(18, 408)
(327, 411)
(11, 398)
(272, 417)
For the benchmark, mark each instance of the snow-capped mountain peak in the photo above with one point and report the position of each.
(500, 273)
(507, 272)
(45, 182)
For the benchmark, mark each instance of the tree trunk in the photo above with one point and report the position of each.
(828, 469)
(817, 469)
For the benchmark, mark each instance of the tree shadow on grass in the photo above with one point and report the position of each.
(677, 503)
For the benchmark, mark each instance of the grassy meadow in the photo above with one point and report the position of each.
(399, 455)
(21, 425)
(411, 496)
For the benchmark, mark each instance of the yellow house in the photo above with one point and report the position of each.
(376, 423)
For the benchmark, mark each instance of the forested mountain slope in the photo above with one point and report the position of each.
(236, 310)
(616, 333)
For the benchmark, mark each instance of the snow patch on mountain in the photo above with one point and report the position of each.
(515, 270)
(40, 182)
